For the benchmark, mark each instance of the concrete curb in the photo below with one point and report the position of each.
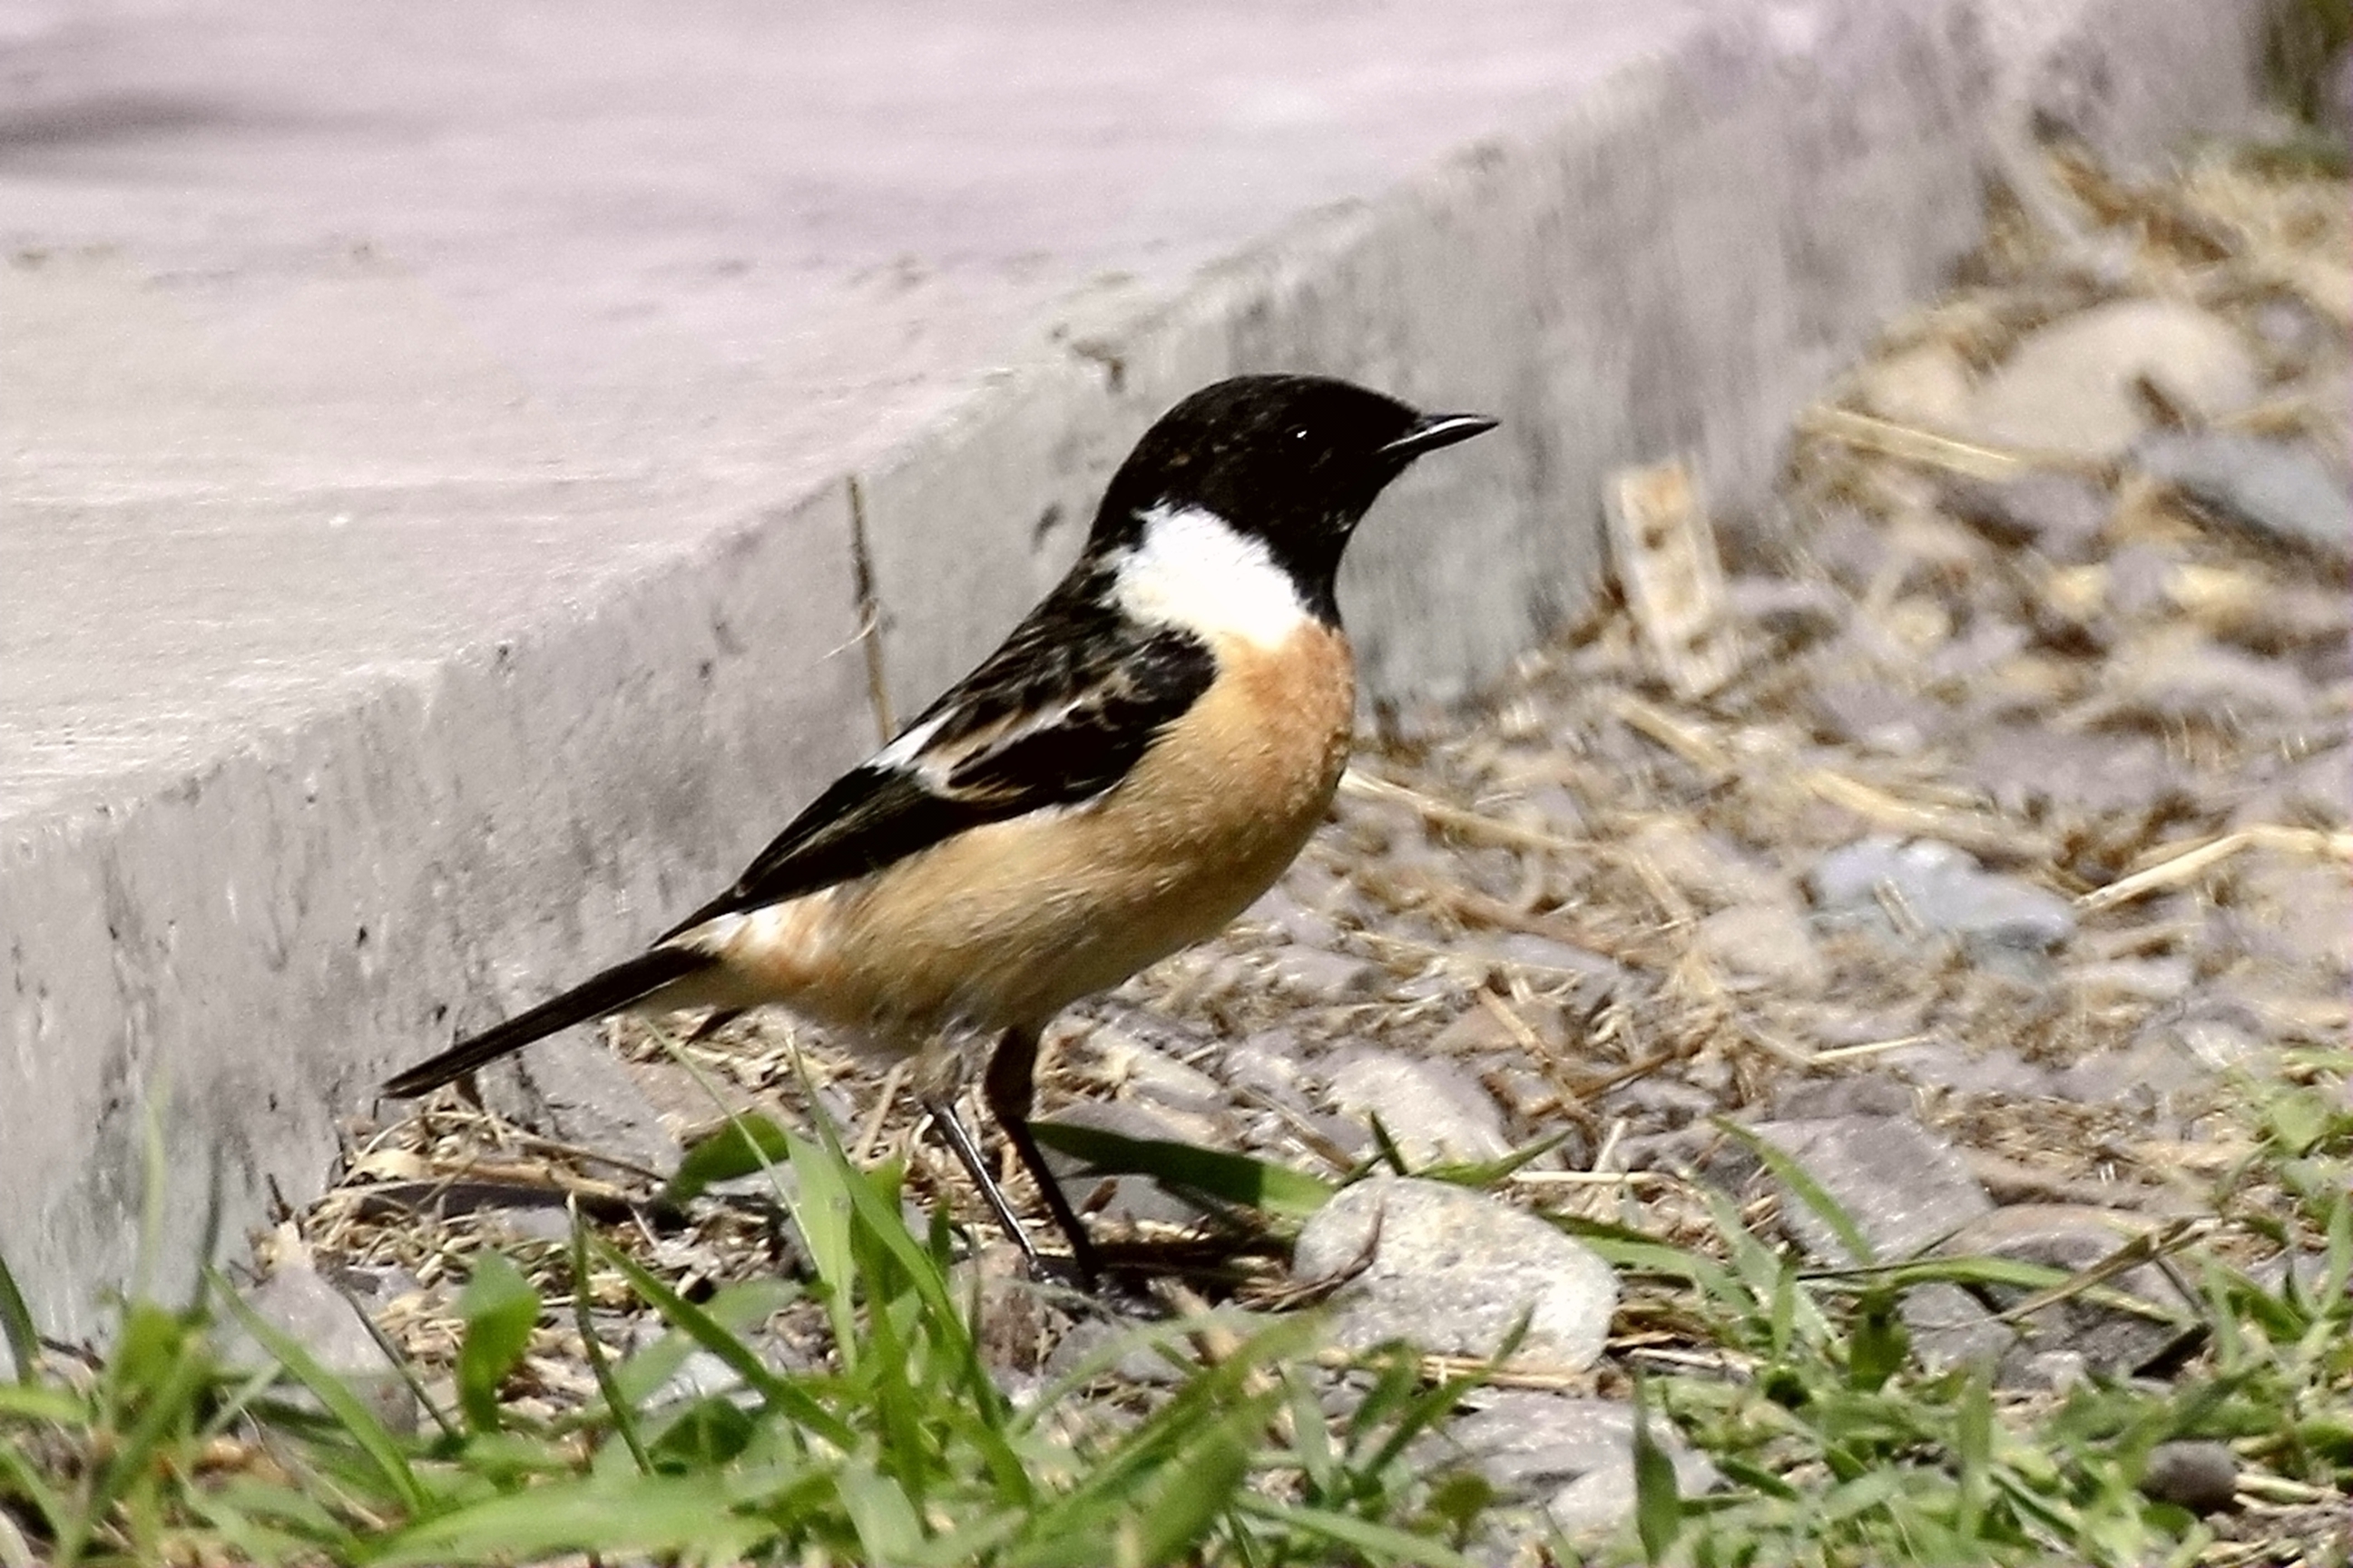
(1677, 265)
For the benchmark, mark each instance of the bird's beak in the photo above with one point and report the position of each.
(1432, 431)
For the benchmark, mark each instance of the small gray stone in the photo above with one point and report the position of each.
(2060, 515)
(1576, 1455)
(371, 1287)
(2071, 386)
(1452, 1271)
(1876, 716)
(1855, 1094)
(1926, 384)
(2298, 912)
(1949, 1327)
(571, 1089)
(1796, 610)
(1684, 1152)
(2199, 1476)
(2280, 491)
(297, 1301)
(2192, 1047)
(2140, 580)
(2024, 767)
(2073, 1236)
(1323, 976)
(1944, 889)
(701, 1376)
(2305, 1272)
(1765, 942)
(1987, 642)
(1658, 1102)
(2054, 1372)
(543, 1224)
(2317, 791)
(1135, 1067)
(1903, 1187)
(1434, 1110)
(2150, 980)
(1851, 546)
(1704, 866)
(2197, 679)
(1541, 958)
(1948, 1065)
(1276, 908)
(1268, 1064)
(1142, 1362)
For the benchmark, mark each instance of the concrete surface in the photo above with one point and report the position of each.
(428, 551)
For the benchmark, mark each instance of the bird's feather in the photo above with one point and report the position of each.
(608, 991)
(1056, 717)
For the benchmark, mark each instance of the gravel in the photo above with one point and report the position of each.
(1455, 1272)
(2025, 822)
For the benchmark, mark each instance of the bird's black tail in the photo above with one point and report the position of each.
(609, 992)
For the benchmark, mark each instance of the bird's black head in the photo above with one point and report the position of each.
(1292, 460)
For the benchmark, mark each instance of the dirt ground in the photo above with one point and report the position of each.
(1996, 781)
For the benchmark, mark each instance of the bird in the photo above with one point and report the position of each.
(1139, 760)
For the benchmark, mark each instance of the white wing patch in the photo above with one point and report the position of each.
(907, 747)
(912, 753)
(1197, 572)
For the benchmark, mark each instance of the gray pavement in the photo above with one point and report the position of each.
(428, 550)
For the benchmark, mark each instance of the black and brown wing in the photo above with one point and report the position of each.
(1055, 716)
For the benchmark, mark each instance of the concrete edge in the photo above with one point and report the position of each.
(254, 944)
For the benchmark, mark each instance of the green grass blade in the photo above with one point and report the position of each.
(40, 1402)
(16, 1330)
(500, 1308)
(1658, 1502)
(1157, 1444)
(359, 1422)
(1385, 1147)
(168, 1408)
(1630, 1251)
(1194, 1492)
(1878, 1344)
(975, 1540)
(877, 1218)
(623, 1412)
(742, 1359)
(737, 1308)
(1485, 1173)
(889, 1529)
(1212, 1173)
(21, 1482)
(1809, 1192)
(749, 1143)
(635, 1515)
(1365, 1538)
(1973, 1455)
(821, 1208)
(155, 1176)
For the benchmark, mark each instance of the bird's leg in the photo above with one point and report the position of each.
(713, 1022)
(1009, 1086)
(967, 1153)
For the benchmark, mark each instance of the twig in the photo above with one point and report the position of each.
(1910, 444)
(1470, 824)
(2178, 865)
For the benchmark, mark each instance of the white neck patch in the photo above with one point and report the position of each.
(1197, 572)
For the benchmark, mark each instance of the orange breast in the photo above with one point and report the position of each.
(1010, 923)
